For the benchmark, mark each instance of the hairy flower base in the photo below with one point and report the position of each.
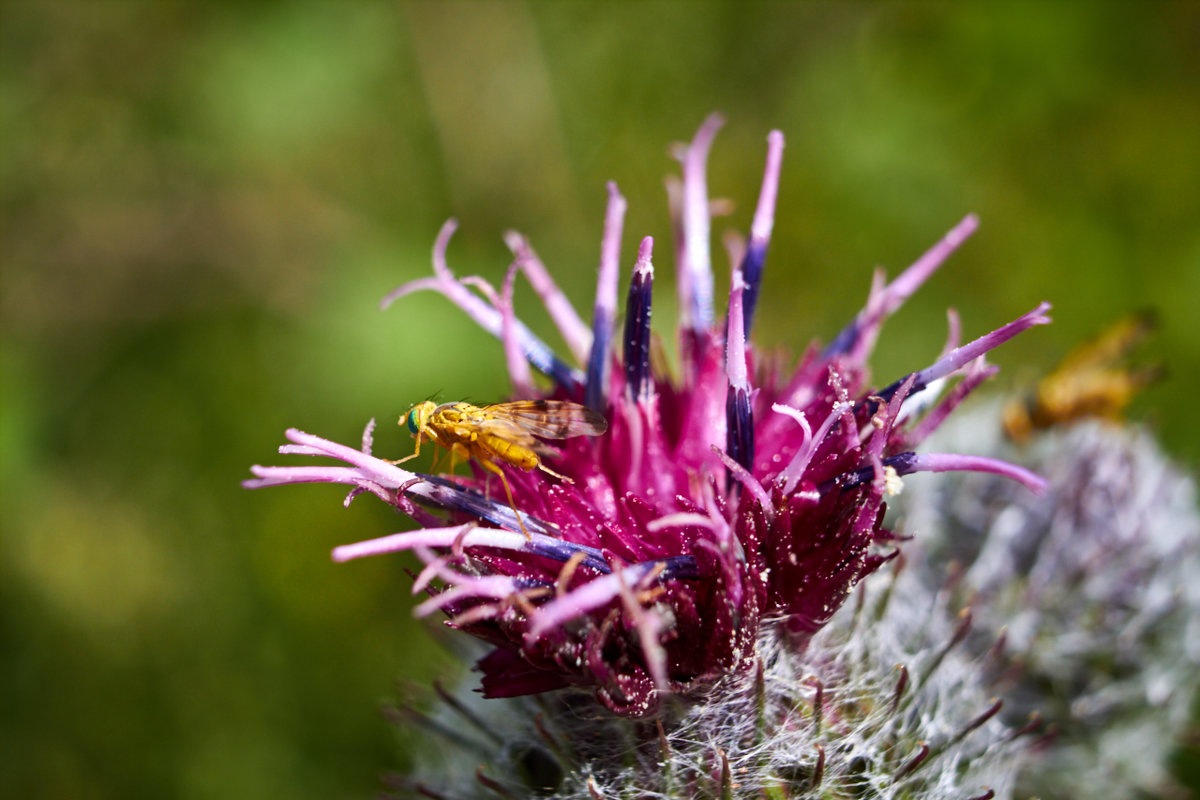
(739, 492)
(1094, 586)
(870, 707)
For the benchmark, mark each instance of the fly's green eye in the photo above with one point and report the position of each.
(413, 425)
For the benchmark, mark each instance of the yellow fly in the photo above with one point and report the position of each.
(1090, 382)
(502, 432)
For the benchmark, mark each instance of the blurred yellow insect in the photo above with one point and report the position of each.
(1089, 382)
(501, 433)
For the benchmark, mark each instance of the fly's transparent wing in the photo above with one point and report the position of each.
(549, 419)
(508, 430)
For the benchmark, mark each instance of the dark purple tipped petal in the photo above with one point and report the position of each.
(858, 337)
(475, 504)
(740, 433)
(902, 464)
(697, 310)
(463, 536)
(487, 317)
(545, 361)
(908, 463)
(739, 418)
(953, 462)
(638, 383)
(755, 259)
(574, 332)
(920, 270)
(596, 390)
(977, 373)
(969, 352)
(518, 365)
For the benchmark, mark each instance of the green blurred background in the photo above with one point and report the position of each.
(203, 203)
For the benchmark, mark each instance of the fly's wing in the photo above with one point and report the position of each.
(550, 419)
(506, 429)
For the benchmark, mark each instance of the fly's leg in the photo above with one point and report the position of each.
(416, 452)
(549, 471)
(458, 455)
(491, 466)
(437, 457)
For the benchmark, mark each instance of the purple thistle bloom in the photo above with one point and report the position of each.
(739, 495)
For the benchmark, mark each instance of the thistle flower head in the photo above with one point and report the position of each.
(740, 495)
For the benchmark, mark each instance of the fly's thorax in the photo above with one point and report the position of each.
(459, 414)
(453, 422)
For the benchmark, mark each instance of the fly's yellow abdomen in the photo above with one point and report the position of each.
(509, 452)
